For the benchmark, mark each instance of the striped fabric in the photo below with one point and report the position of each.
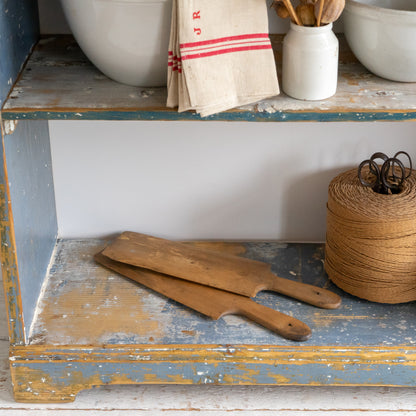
(220, 55)
(230, 44)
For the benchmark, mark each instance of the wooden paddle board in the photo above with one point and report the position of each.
(220, 270)
(210, 301)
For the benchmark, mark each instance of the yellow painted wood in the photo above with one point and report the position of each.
(8, 254)
(93, 305)
(246, 359)
(94, 327)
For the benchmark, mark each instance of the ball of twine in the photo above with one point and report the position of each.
(370, 249)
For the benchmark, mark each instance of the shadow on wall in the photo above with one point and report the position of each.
(304, 209)
(51, 18)
(289, 207)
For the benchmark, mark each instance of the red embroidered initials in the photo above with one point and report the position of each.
(196, 15)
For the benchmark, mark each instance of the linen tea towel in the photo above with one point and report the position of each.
(220, 55)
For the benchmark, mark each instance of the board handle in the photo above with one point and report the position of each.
(314, 295)
(284, 325)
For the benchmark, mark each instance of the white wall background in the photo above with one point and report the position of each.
(205, 180)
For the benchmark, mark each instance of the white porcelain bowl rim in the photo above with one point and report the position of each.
(370, 8)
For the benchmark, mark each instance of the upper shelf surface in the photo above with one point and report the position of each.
(59, 83)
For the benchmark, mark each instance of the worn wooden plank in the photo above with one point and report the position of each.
(177, 400)
(60, 83)
(9, 268)
(94, 327)
(56, 374)
(31, 203)
(18, 32)
(204, 400)
(85, 303)
(173, 400)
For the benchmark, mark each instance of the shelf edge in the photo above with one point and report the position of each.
(237, 115)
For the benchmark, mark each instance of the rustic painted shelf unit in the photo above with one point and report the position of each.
(74, 325)
(59, 83)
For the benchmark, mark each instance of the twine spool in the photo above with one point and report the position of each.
(370, 249)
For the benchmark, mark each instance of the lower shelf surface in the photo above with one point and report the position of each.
(95, 327)
(84, 303)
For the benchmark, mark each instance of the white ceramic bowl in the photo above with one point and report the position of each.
(382, 35)
(126, 39)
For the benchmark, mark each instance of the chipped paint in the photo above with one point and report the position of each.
(29, 195)
(279, 379)
(9, 264)
(18, 32)
(373, 95)
(9, 126)
(50, 373)
(149, 339)
(95, 328)
(80, 295)
(322, 319)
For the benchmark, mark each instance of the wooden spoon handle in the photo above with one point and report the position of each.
(292, 12)
(313, 295)
(284, 325)
(319, 17)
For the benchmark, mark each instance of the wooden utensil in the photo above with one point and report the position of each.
(212, 302)
(292, 12)
(328, 11)
(281, 9)
(320, 11)
(223, 271)
(306, 13)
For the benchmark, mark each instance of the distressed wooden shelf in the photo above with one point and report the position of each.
(74, 325)
(95, 327)
(58, 83)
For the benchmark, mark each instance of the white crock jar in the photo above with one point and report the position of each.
(310, 62)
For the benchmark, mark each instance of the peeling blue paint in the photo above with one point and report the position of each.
(19, 30)
(350, 373)
(356, 322)
(235, 115)
(9, 266)
(29, 166)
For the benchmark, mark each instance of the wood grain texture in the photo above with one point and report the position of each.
(83, 303)
(9, 269)
(206, 400)
(59, 83)
(209, 301)
(32, 201)
(235, 274)
(19, 30)
(58, 373)
(94, 327)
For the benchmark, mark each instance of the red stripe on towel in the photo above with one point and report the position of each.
(224, 39)
(235, 44)
(226, 50)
